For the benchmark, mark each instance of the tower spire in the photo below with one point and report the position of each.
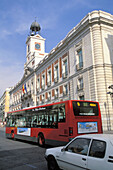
(35, 27)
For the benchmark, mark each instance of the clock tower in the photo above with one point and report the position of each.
(35, 47)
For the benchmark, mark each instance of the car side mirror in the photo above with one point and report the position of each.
(63, 149)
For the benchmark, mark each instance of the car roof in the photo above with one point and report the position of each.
(107, 137)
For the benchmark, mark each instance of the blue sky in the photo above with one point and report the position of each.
(56, 18)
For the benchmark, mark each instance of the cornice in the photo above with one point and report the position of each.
(37, 36)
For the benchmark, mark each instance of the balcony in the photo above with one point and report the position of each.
(43, 86)
(56, 96)
(26, 95)
(49, 98)
(29, 93)
(49, 83)
(37, 103)
(38, 89)
(22, 97)
(56, 79)
(80, 87)
(65, 75)
(65, 93)
(43, 101)
(79, 66)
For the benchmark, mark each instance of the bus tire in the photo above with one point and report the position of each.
(41, 139)
(52, 164)
(12, 134)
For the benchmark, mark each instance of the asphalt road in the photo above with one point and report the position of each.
(20, 155)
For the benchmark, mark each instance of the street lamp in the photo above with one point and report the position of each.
(111, 93)
(110, 87)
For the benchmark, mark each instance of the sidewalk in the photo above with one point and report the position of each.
(2, 128)
(108, 132)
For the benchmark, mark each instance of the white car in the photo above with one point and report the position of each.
(91, 152)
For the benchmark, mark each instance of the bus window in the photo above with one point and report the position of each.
(11, 121)
(61, 114)
(21, 121)
(33, 121)
(28, 121)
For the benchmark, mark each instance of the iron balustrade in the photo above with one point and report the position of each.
(79, 66)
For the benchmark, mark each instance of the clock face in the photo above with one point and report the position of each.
(37, 46)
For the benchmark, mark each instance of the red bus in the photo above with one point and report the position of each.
(56, 123)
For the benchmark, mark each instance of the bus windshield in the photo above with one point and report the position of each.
(82, 108)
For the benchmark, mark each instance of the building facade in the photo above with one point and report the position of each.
(4, 105)
(79, 67)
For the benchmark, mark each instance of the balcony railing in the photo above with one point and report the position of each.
(26, 95)
(56, 79)
(43, 86)
(43, 100)
(37, 103)
(65, 93)
(38, 89)
(80, 87)
(56, 96)
(79, 66)
(49, 98)
(49, 83)
(65, 74)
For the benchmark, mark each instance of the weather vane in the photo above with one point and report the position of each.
(35, 19)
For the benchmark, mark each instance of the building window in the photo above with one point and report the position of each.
(56, 93)
(38, 85)
(79, 59)
(49, 96)
(38, 99)
(49, 78)
(28, 48)
(33, 63)
(43, 98)
(43, 81)
(32, 86)
(56, 74)
(65, 68)
(65, 90)
(80, 84)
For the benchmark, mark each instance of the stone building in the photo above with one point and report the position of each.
(79, 67)
(4, 105)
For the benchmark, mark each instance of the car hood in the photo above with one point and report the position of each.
(54, 151)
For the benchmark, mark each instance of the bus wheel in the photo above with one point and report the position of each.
(52, 164)
(12, 134)
(41, 140)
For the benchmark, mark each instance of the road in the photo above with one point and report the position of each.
(19, 155)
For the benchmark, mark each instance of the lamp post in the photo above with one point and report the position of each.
(110, 92)
(111, 95)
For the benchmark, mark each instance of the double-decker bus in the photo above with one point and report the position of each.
(56, 123)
